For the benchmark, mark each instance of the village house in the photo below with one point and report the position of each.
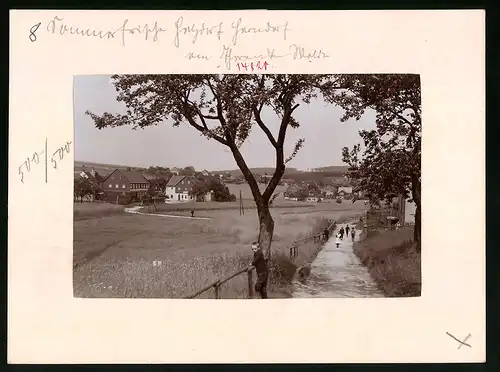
(328, 191)
(313, 199)
(95, 178)
(205, 173)
(406, 211)
(178, 188)
(125, 181)
(343, 191)
(287, 181)
(175, 171)
(291, 190)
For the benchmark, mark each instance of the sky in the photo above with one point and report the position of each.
(167, 146)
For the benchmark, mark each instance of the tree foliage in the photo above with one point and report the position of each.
(389, 162)
(224, 108)
(205, 184)
(84, 187)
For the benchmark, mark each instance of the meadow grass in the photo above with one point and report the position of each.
(393, 261)
(114, 255)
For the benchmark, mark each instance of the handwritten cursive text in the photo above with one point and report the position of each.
(149, 32)
(228, 57)
(301, 53)
(195, 31)
(240, 29)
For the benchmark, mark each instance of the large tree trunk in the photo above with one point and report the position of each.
(415, 190)
(266, 229)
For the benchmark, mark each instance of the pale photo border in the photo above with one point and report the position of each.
(47, 325)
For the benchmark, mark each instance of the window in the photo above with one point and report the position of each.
(183, 182)
(188, 182)
(123, 186)
(113, 177)
(117, 186)
(110, 186)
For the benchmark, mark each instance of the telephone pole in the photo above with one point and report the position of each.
(242, 210)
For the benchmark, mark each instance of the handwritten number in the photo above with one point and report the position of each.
(21, 173)
(33, 29)
(35, 159)
(262, 67)
(54, 163)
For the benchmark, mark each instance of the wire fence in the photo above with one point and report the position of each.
(293, 252)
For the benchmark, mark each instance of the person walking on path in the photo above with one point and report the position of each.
(341, 232)
(192, 213)
(260, 264)
(353, 233)
(326, 235)
(338, 240)
(347, 230)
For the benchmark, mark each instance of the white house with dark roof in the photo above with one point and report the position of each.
(178, 188)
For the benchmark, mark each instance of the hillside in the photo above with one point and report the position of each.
(101, 168)
(331, 170)
(319, 174)
(237, 172)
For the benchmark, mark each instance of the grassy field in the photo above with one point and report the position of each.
(114, 252)
(247, 194)
(392, 261)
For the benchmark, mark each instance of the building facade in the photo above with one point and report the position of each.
(178, 188)
(126, 182)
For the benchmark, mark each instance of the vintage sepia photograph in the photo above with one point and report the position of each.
(247, 186)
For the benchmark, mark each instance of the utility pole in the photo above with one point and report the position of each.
(242, 210)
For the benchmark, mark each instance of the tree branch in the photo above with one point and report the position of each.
(201, 128)
(280, 156)
(262, 126)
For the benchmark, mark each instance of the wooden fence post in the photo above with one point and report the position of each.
(216, 291)
(250, 284)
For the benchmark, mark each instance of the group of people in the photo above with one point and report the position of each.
(345, 232)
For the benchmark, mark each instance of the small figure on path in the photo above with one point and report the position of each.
(192, 213)
(347, 230)
(338, 240)
(326, 235)
(353, 233)
(341, 232)
(260, 264)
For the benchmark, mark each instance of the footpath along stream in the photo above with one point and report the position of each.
(337, 272)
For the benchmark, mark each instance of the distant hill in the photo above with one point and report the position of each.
(237, 172)
(337, 169)
(317, 175)
(101, 168)
(332, 168)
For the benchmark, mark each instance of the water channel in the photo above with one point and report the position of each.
(337, 272)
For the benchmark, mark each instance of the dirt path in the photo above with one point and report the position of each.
(135, 210)
(337, 272)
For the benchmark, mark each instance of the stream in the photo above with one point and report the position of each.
(337, 272)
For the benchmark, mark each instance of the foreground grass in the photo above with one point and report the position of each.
(393, 262)
(115, 256)
(88, 210)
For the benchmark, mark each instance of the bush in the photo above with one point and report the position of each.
(338, 200)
